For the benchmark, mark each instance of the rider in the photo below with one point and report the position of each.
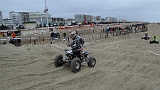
(146, 34)
(77, 43)
(155, 38)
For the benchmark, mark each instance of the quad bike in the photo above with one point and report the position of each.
(154, 41)
(146, 38)
(15, 41)
(71, 58)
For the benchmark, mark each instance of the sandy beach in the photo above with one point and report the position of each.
(123, 63)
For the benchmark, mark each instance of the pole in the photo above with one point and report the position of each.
(47, 22)
(45, 11)
(42, 22)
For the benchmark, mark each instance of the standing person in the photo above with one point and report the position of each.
(1, 35)
(69, 36)
(77, 44)
(103, 30)
(107, 32)
(13, 40)
(113, 30)
(120, 32)
(13, 35)
(5, 34)
(64, 36)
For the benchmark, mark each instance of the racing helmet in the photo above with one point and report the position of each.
(70, 31)
(73, 34)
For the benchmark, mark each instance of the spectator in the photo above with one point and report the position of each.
(13, 35)
(64, 35)
(107, 32)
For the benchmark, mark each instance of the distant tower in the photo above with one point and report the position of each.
(46, 9)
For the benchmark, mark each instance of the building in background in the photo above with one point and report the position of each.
(40, 18)
(103, 20)
(82, 18)
(111, 19)
(88, 19)
(85, 19)
(122, 20)
(8, 22)
(70, 21)
(16, 17)
(25, 16)
(96, 19)
(1, 18)
(79, 18)
(20, 17)
(58, 21)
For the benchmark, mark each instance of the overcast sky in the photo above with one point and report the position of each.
(134, 10)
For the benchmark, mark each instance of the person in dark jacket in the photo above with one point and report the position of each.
(77, 44)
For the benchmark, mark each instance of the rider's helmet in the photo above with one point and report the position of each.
(70, 31)
(146, 34)
(73, 35)
(154, 36)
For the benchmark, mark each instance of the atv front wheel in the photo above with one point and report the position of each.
(150, 42)
(58, 61)
(92, 62)
(75, 65)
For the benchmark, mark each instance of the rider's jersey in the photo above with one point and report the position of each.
(155, 38)
(146, 35)
(78, 42)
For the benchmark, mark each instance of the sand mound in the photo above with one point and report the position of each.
(123, 63)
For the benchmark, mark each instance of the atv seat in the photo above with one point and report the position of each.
(86, 52)
(66, 50)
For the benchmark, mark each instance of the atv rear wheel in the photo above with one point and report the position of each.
(75, 65)
(92, 62)
(157, 42)
(58, 61)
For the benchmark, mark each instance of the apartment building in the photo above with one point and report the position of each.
(1, 18)
(82, 18)
(122, 20)
(88, 18)
(16, 17)
(21, 17)
(96, 18)
(40, 18)
(111, 19)
(79, 18)
(8, 22)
